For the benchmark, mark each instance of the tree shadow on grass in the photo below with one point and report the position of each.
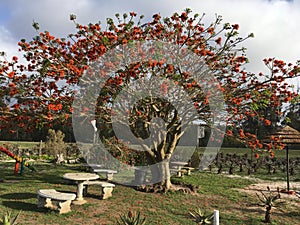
(293, 214)
(44, 172)
(48, 173)
(235, 220)
(2, 189)
(252, 208)
(19, 196)
(23, 206)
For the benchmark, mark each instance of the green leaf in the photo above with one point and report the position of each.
(72, 17)
(35, 26)
(105, 40)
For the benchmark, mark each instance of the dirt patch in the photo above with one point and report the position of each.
(262, 185)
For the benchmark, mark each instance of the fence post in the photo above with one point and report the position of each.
(216, 217)
(40, 148)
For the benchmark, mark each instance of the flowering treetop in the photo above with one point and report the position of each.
(41, 92)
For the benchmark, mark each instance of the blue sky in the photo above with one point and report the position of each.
(274, 23)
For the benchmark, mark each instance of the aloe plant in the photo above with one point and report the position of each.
(131, 219)
(200, 218)
(6, 219)
(268, 201)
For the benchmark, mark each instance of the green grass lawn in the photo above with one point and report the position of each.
(293, 153)
(22, 144)
(216, 191)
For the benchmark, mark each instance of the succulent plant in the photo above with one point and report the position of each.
(131, 219)
(6, 219)
(201, 218)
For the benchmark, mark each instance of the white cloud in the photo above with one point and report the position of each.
(7, 43)
(274, 23)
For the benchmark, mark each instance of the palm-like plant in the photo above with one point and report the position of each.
(131, 219)
(200, 218)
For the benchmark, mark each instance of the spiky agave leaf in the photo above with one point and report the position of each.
(14, 221)
(131, 219)
(200, 217)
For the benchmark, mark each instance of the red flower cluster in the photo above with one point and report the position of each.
(55, 107)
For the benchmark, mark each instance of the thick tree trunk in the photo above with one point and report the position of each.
(166, 175)
(161, 175)
(155, 173)
(160, 168)
(268, 214)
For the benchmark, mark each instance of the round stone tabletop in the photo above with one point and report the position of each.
(81, 176)
(179, 163)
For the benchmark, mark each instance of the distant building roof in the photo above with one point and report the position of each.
(285, 135)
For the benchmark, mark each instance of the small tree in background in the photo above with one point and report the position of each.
(268, 201)
(55, 145)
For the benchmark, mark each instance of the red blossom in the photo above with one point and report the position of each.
(267, 122)
(164, 88)
(235, 26)
(218, 40)
(241, 133)
(210, 30)
(133, 14)
(11, 74)
(229, 132)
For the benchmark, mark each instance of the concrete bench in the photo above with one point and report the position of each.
(45, 197)
(188, 169)
(184, 170)
(109, 173)
(106, 188)
(179, 173)
(90, 167)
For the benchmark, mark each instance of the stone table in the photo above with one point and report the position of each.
(80, 178)
(179, 165)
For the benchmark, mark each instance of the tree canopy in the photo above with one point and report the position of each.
(182, 63)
